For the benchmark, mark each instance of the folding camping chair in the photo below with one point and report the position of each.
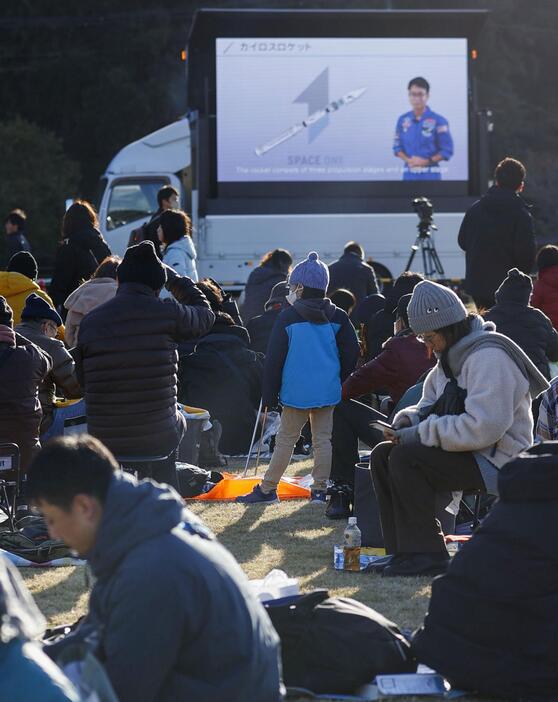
(10, 480)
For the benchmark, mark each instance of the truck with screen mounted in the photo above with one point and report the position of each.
(307, 129)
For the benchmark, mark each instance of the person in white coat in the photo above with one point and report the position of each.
(179, 252)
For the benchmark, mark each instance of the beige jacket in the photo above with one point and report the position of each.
(89, 295)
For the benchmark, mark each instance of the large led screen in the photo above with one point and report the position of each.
(339, 109)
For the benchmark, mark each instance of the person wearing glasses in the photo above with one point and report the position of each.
(422, 137)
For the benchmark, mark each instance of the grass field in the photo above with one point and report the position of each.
(293, 535)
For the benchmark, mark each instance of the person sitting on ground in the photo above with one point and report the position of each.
(313, 348)
(545, 290)
(101, 288)
(273, 268)
(259, 328)
(126, 359)
(403, 360)
(351, 272)
(367, 308)
(171, 611)
(431, 451)
(26, 673)
(23, 367)
(81, 250)
(16, 240)
(224, 376)
(379, 328)
(530, 328)
(19, 280)
(175, 234)
(344, 299)
(491, 619)
(39, 324)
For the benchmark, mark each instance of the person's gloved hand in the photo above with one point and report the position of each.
(402, 422)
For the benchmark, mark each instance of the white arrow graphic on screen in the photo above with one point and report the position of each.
(333, 106)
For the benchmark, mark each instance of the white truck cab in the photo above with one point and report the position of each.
(129, 186)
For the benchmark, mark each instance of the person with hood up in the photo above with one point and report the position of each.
(39, 324)
(19, 280)
(23, 367)
(26, 673)
(379, 328)
(274, 268)
(171, 612)
(259, 328)
(545, 290)
(224, 376)
(313, 348)
(80, 252)
(491, 622)
(126, 358)
(175, 234)
(430, 450)
(497, 234)
(530, 328)
(101, 288)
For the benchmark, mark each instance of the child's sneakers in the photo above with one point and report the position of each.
(318, 496)
(257, 496)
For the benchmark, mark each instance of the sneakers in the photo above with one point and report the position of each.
(339, 506)
(413, 564)
(257, 496)
(318, 496)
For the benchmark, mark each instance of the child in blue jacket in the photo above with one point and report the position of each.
(312, 349)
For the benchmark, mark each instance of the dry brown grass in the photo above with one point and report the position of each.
(294, 536)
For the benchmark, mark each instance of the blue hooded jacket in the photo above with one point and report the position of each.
(312, 349)
(173, 609)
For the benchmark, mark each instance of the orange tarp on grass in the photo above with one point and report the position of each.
(232, 486)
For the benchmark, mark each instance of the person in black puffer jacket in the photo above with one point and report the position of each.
(81, 251)
(530, 328)
(224, 376)
(379, 328)
(491, 622)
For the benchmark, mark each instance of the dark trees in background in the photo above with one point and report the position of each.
(97, 74)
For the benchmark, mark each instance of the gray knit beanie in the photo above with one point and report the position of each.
(433, 306)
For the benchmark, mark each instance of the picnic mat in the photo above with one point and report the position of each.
(232, 486)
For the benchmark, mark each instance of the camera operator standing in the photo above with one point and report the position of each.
(497, 234)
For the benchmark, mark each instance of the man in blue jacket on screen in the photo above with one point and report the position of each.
(422, 137)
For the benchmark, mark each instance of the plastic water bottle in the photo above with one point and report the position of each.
(351, 546)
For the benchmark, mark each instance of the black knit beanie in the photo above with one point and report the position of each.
(517, 287)
(23, 262)
(142, 265)
(6, 315)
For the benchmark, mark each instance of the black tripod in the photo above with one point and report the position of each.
(431, 263)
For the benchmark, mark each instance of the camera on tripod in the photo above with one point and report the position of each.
(425, 211)
(431, 264)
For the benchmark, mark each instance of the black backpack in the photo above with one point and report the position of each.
(336, 644)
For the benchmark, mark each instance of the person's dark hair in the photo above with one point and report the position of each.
(454, 332)
(69, 466)
(165, 193)
(175, 224)
(344, 299)
(354, 247)
(420, 83)
(80, 215)
(403, 285)
(213, 294)
(107, 268)
(18, 218)
(278, 258)
(309, 293)
(547, 257)
(510, 173)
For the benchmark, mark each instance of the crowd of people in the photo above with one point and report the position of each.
(330, 349)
